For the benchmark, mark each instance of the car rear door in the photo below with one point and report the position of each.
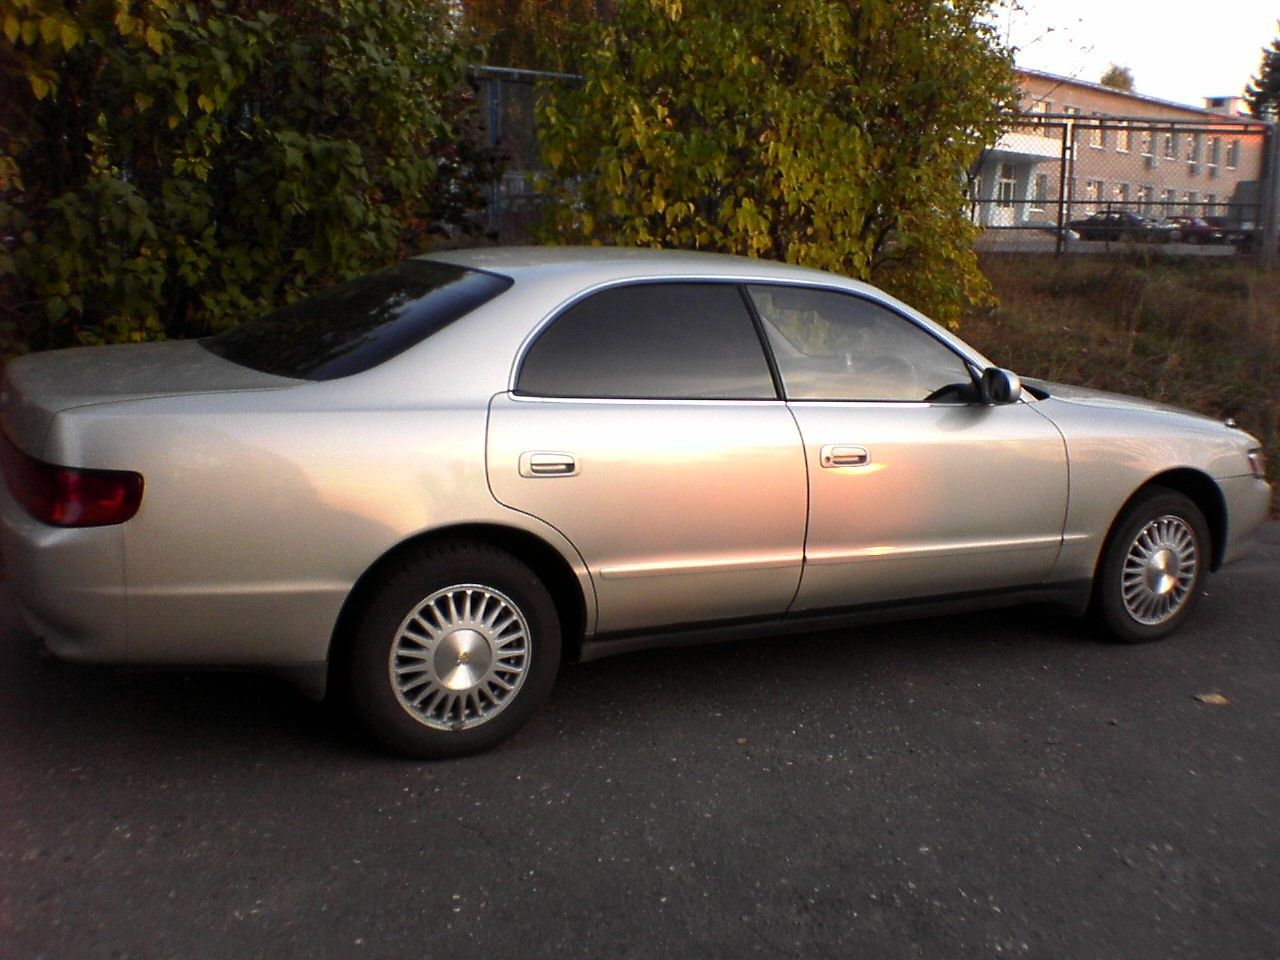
(916, 489)
(645, 426)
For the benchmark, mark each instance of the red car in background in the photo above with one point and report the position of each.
(1197, 230)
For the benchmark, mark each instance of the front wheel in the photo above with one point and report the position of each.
(455, 652)
(1152, 567)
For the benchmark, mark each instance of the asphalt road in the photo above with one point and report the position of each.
(988, 785)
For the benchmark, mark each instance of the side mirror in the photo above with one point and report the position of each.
(1000, 386)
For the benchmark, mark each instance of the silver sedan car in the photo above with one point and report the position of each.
(430, 486)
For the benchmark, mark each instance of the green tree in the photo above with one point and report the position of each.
(173, 168)
(832, 133)
(1263, 93)
(1118, 78)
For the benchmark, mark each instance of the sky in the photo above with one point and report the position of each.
(1177, 50)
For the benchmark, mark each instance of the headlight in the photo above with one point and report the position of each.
(1257, 462)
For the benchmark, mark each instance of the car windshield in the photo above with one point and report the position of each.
(359, 324)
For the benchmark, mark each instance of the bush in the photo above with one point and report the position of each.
(819, 132)
(168, 169)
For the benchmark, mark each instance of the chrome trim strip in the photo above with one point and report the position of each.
(862, 554)
(623, 570)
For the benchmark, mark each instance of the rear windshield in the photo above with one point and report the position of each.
(358, 324)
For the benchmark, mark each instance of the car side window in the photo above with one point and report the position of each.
(666, 341)
(838, 346)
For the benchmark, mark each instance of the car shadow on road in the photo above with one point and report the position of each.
(66, 706)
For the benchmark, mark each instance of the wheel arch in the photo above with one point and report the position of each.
(1198, 487)
(536, 553)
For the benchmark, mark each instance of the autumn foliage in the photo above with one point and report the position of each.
(167, 169)
(832, 133)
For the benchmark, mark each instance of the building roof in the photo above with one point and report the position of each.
(1139, 99)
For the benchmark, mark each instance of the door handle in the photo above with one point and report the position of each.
(843, 455)
(547, 464)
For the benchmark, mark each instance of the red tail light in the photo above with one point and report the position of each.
(67, 496)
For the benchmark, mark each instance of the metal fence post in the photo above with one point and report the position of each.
(493, 119)
(1270, 195)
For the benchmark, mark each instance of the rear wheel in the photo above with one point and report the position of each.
(455, 652)
(1152, 567)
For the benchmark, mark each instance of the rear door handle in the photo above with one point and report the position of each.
(844, 455)
(537, 463)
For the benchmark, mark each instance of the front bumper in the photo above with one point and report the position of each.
(1248, 502)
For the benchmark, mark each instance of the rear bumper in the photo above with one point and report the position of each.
(69, 583)
(1248, 502)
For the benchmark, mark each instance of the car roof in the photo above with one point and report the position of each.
(592, 265)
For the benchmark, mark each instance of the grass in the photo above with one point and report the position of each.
(1198, 332)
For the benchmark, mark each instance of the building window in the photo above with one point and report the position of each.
(1210, 204)
(1191, 204)
(1194, 143)
(1093, 194)
(1039, 191)
(1122, 195)
(1170, 146)
(1006, 185)
(1098, 136)
(1124, 135)
(1233, 154)
(1148, 142)
(1170, 200)
(1146, 198)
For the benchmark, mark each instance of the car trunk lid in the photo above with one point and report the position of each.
(39, 386)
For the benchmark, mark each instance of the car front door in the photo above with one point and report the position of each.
(646, 427)
(916, 488)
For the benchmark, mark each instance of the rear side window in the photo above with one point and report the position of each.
(664, 341)
(358, 324)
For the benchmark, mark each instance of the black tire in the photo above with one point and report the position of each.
(380, 646)
(1179, 519)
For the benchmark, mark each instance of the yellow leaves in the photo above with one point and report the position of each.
(155, 39)
(205, 103)
(143, 101)
(39, 85)
(49, 30)
(126, 24)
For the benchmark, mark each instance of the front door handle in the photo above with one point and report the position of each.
(536, 463)
(844, 455)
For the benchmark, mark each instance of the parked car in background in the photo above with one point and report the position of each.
(1118, 225)
(431, 485)
(1197, 230)
(1243, 233)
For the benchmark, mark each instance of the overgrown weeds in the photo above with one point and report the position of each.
(1198, 332)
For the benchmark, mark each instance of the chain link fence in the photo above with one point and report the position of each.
(1064, 182)
(509, 99)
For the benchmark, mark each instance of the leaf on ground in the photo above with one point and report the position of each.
(1216, 699)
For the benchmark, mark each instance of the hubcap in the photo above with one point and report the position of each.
(459, 657)
(1160, 570)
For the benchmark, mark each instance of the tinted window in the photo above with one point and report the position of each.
(358, 324)
(836, 346)
(655, 340)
